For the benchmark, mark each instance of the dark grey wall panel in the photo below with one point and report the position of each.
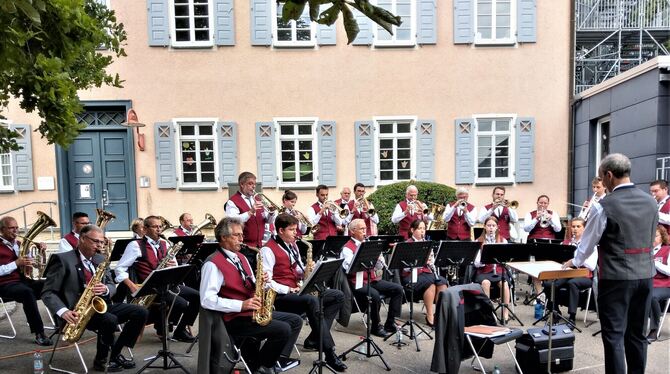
(635, 144)
(663, 139)
(633, 118)
(582, 111)
(583, 178)
(635, 90)
(664, 109)
(599, 105)
(582, 132)
(643, 170)
(581, 156)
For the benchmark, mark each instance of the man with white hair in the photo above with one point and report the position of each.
(409, 210)
(460, 215)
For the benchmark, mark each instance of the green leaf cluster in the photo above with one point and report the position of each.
(386, 197)
(50, 49)
(293, 9)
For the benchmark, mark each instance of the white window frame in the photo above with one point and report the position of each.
(412, 143)
(511, 153)
(292, 43)
(191, 44)
(315, 150)
(10, 187)
(663, 172)
(495, 41)
(178, 148)
(599, 134)
(393, 42)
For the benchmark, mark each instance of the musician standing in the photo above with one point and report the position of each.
(185, 225)
(533, 222)
(71, 239)
(504, 215)
(250, 211)
(343, 202)
(599, 191)
(228, 286)
(12, 282)
(140, 258)
(281, 261)
(460, 215)
(408, 211)
(322, 215)
(623, 225)
(357, 231)
(659, 190)
(66, 279)
(359, 210)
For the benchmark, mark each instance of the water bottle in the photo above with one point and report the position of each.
(38, 364)
(539, 310)
(398, 336)
(496, 370)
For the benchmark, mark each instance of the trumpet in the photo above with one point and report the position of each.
(416, 206)
(335, 209)
(461, 204)
(584, 213)
(544, 218)
(299, 216)
(506, 203)
(364, 204)
(266, 202)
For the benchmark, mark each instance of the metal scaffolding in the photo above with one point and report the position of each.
(612, 36)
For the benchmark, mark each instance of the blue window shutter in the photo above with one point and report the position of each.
(326, 35)
(261, 22)
(464, 22)
(224, 22)
(365, 26)
(426, 21)
(525, 149)
(227, 134)
(425, 150)
(158, 23)
(365, 158)
(327, 155)
(526, 21)
(265, 153)
(166, 163)
(465, 150)
(23, 159)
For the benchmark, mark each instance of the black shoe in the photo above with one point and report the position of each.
(126, 363)
(182, 335)
(264, 370)
(651, 337)
(310, 345)
(41, 339)
(284, 364)
(392, 329)
(334, 362)
(112, 367)
(378, 331)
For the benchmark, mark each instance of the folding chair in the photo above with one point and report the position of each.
(665, 313)
(9, 318)
(504, 339)
(57, 340)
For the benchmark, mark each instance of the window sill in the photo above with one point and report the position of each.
(495, 43)
(192, 46)
(7, 191)
(199, 188)
(394, 45)
(494, 183)
(294, 46)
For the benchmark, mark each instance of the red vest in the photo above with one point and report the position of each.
(661, 280)
(360, 215)
(352, 278)
(71, 239)
(326, 225)
(148, 261)
(541, 232)
(488, 268)
(87, 274)
(424, 269)
(665, 209)
(180, 232)
(234, 287)
(8, 255)
(254, 228)
(458, 227)
(283, 272)
(503, 221)
(403, 226)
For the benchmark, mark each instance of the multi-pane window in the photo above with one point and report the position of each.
(494, 149)
(495, 21)
(292, 32)
(663, 168)
(297, 149)
(197, 153)
(395, 150)
(403, 34)
(602, 139)
(6, 169)
(192, 22)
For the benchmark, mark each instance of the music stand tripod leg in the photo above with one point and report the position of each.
(320, 363)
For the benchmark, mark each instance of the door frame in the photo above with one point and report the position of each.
(62, 173)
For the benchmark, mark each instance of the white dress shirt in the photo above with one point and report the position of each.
(486, 213)
(234, 212)
(9, 267)
(470, 216)
(64, 245)
(269, 262)
(130, 255)
(315, 217)
(399, 214)
(529, 222)
(211, 282)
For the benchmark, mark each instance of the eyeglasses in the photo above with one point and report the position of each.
(157, 227)
(238, 235)
(83, 223)
(97, 242)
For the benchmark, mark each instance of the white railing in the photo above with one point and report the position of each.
(603, 15)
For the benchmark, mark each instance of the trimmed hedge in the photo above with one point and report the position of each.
(386, 198)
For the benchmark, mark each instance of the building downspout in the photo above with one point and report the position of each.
(572, 109)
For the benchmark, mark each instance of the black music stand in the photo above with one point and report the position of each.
(501, 254)
(436, 235)
(455, 253)
(322, 274)
(390, 240)
(317, 250)
(191, 243)
(364, 261)
(333, 245)
(544, 241)
(410, 255)
(159, 282)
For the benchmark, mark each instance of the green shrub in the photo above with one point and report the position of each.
(386, 198)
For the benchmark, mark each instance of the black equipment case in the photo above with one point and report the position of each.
(532, 350)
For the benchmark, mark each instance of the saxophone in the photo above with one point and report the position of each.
(87, 305)
(262, 316)
(309, 262)
(146, 300)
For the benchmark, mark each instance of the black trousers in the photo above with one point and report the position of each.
(308, 304)
(133, 316)
(280, 335)
(657, 295)
(573, 285)
(187, 303)
(26, 293)
(388, 289)
(623, 307)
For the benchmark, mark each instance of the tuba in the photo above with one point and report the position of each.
(30, 249)
(103, 217)
(165, 223)
(146, 300)
(262, 316)
(437, 210)
(208, 221)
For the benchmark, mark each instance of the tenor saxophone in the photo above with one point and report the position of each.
(262, 316)
(309, 261)
(87, 304)
(146, 300)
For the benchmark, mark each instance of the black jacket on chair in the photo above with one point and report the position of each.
(215, 350)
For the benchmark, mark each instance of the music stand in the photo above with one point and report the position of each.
(317, 251)
(455, 253)
(333, 245)
(159, 282)
(322, 274)
(436, 235)
(364, 261)
(544, 241)
(191, 243)
(502, 254)
(390, 240)
(410, 255)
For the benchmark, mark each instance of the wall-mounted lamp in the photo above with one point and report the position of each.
(132, 121)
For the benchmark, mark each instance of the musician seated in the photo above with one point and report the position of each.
(71, 239)
(408, 211)
(574, 285)
(137, 227)
(228, 285)
(378, 286)
(428, 283)
(185, 225)
(140, 258)
(541, 223)
(12, 282)
(661, 290)
(69, 276)
(488, 274)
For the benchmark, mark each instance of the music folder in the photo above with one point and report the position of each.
(191, 243)
(323, 272)
(456, 252)
(120, 247)
(160, 279)
(204, 251)
(410, 254)
(333, 245)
